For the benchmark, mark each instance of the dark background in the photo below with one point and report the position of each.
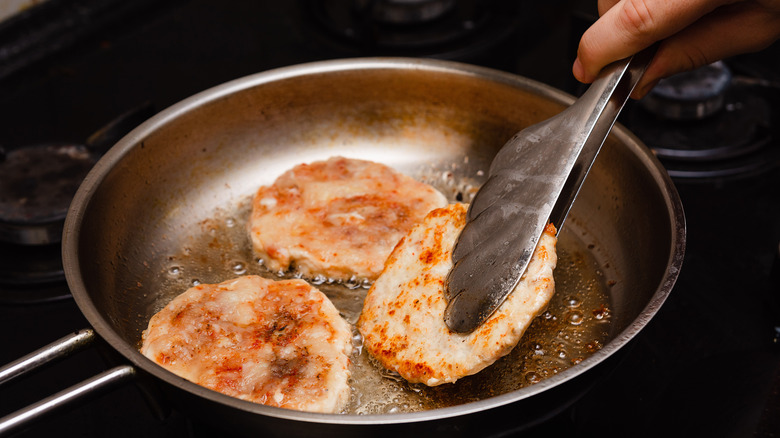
(707, 364)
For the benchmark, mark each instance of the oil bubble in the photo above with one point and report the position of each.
(230, 222)
(174, 271)
(593, 346)
(572, 302)
(195, 282)
(532, 377)
(357, 344)
(575, 317)
(239, 268)
(352, 283)
(601, 313)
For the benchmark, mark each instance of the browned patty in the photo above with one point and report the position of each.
(279, 343)
(402, 322)
(338, 218)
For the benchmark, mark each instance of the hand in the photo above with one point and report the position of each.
(693, 33)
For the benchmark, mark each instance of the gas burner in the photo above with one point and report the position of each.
(39, 181)
(742, 127)
(37, 185)
(36, 189)
(447, 29)
(706, 124)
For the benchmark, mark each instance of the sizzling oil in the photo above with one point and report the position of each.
(574, 326)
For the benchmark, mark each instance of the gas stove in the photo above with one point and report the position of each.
(708, 363)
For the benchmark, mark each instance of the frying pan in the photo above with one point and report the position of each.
(166, 208)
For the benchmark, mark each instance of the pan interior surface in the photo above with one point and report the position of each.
(166, 208)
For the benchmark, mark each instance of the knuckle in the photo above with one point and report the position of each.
(637, 18)
(693, 58)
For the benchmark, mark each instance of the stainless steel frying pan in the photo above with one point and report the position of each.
(166, 206)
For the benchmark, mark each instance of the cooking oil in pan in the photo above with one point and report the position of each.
(574, 326)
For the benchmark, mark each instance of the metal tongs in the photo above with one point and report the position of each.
(533, 180)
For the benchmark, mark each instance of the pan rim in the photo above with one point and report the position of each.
(92, 182)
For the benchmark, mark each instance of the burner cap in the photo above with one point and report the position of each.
(405, 11)
(693, 95)
(37, 186)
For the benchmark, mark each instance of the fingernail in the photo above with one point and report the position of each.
(580, 73)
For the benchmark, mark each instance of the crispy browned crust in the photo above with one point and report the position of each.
(402, 322)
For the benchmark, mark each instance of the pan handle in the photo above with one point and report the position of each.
(83, 391)
(51, 353)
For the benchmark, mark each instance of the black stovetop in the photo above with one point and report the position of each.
(706, 364)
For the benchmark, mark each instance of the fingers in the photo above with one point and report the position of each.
(728, 31)
(631, 25)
